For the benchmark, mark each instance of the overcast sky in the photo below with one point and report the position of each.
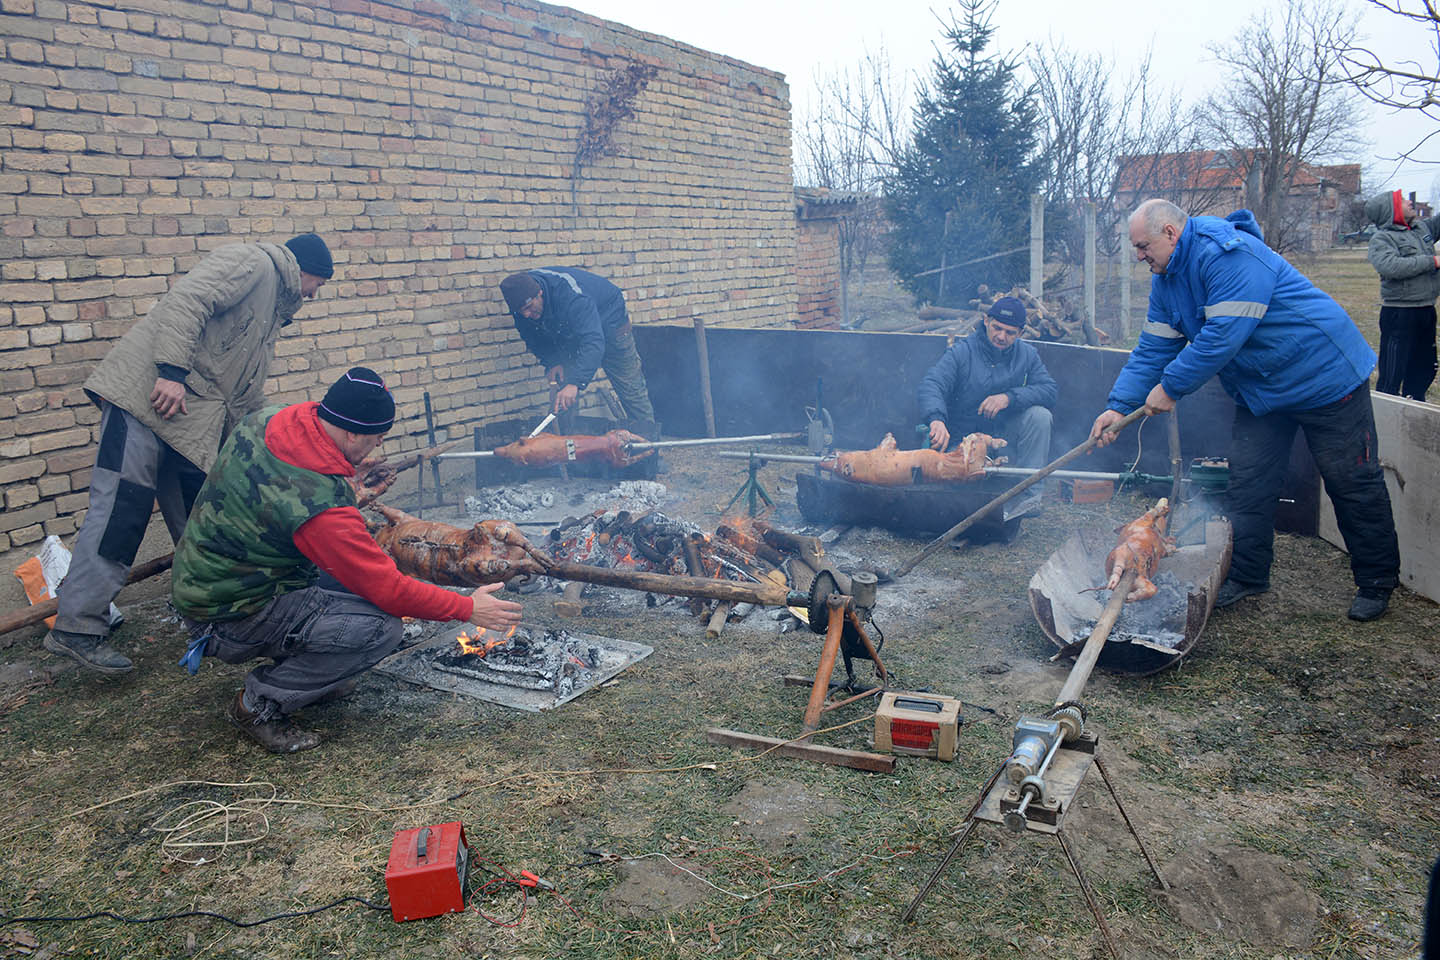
(800, 37)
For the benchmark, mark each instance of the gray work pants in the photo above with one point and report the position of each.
(317, 638)
(622, 366)
(1026, 431)
(133, 469)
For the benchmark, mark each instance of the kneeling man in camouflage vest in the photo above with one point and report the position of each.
(275, 511)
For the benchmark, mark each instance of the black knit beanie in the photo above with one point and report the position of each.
(359, 403)
(312, 255)
(518, 289)
(1008, 310)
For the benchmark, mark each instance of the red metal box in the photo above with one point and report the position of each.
(427, 871)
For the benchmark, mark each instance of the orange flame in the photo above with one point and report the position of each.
(475, 644)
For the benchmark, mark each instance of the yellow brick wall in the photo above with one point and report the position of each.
(429, 143)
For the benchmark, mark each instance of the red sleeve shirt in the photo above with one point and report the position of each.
(337, 541)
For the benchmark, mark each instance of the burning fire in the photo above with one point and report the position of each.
(478, 645)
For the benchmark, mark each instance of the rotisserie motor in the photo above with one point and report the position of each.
(889, 467)
(550, 449)
(1141, 545)
(489, 552)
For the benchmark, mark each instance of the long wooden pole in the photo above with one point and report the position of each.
(35, 613)
(704, 357)
(1020, 487)
(1080, 673)
(765, 593)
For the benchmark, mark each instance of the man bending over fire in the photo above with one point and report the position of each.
(275, 512)
(575, 323)
(992, 382)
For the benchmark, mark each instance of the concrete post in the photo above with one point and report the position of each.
(1037, 245)
(1125, 262)
(1090, 262)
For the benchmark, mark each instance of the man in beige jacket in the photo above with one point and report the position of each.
(169, 392)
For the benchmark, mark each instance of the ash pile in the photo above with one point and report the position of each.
(540, 503)
(556, 661)
(1159, 621)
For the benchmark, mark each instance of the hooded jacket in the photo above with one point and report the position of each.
(1229, 305)
(581, 312)
(215, 330)
(1403, 255)
(973, 369)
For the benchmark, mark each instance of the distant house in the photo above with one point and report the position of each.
(1216, 182)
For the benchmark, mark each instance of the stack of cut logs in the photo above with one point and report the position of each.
(1042, 321)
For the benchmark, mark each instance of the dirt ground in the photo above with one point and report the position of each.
(1285, 777)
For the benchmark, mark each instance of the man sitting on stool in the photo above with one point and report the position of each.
(993, 382)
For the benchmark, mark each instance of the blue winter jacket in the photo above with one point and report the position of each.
(581, 311)
(971, 370)
(1229, 305)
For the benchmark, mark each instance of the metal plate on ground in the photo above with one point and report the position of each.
(433, 664)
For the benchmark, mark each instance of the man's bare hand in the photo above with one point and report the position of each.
(939, 435)
(1097, 430)
(1158, 401)
(566, 398)
(555, 374)
(168, 398)
(492, 613)
(993, 404)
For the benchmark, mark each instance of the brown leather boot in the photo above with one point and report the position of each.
(278, 735)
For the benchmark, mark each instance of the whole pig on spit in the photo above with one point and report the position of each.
(890, 467)
(550, 449)
(1141, 544)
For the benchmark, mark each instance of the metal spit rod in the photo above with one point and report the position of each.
(998, 471)
(659, 444)
(709, 441)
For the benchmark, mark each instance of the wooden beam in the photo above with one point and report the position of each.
(855, 759)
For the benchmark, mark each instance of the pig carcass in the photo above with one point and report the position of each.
(1141, 544)
(889, 467)
(489, 552)
(550, 449)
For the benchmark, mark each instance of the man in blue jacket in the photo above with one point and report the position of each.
(575, 323)
(992, 382)
(1221, 302)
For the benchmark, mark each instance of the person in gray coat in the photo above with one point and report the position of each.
(992, 382)
(169, 391)
(1402, 251)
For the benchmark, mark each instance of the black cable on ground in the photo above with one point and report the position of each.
(183, 914)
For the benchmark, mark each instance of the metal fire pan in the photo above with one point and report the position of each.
(414, 664)
(924, 510)
(1062, 610)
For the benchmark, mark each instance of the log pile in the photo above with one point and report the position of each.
(1043, 321)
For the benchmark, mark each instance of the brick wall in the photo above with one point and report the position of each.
(430, 143)
(817, 273)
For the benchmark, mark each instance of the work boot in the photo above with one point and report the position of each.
(278, 735)
(1233, 590)
(1369, 603)
(89, 651)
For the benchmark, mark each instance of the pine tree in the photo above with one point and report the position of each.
(974, 155)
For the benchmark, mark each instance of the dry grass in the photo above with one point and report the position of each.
(1289, 731)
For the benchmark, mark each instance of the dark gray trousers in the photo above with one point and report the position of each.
(317, 638)
(133, 469)
(1341, 437)
(622, 366)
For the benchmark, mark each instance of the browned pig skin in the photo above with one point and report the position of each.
(889, 467)
(1141, 544)
(551, 449)
(489, 552)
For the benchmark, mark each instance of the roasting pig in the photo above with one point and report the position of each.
(1141, 544)
(489, 552)
(888, 467)
(550, 449)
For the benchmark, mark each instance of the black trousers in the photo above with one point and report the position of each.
(1341, 437)
(1407, 351)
